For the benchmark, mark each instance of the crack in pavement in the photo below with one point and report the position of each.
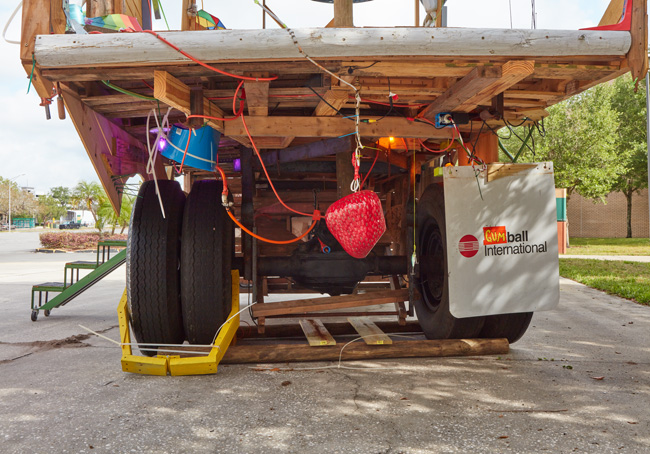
(76, 341)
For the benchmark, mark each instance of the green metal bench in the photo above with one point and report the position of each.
(68, 290)
(46, 288)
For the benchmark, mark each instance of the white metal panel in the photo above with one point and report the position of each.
(502, 251)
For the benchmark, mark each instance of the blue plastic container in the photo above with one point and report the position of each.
(202, 152)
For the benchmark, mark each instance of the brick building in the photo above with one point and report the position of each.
(591, 219)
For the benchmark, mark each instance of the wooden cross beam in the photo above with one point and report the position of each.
(479, 87)
(176, 94)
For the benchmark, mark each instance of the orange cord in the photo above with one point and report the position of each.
(313, 224)
(211, 68)
(267, 173)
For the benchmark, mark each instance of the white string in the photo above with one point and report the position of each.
(11, 18)
(151, 162)
(135, 344)
(214, 339)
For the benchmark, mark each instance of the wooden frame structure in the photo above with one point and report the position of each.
(299, 120)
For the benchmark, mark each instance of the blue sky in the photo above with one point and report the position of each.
(50, 153)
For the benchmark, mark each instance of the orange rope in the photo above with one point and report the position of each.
(267, 173)
(313, 224)
(211, 68)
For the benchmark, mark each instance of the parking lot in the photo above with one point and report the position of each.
(578, 381)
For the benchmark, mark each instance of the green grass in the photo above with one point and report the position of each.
(629, 280)
(609, 246)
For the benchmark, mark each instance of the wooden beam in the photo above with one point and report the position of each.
(96, 8)
(332, 102)
(479, 87)
(281, 353)
(176, 94)
(132, 49)
(344, 173)
(334, 328)
(188, 7)
(257, 98)
(638, 55)
(329, 303)
(343, 14)
(319, 149)
(332, 127)
(96, 133)
(613, 14)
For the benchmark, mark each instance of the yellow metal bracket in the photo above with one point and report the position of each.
(175, 365)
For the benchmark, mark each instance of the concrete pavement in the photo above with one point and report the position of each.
(578, 381)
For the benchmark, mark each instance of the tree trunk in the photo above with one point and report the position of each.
(628, 196)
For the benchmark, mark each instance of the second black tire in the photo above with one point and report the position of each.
(206, 261)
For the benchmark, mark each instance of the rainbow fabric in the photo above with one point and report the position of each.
(207, 21)
(118, 22)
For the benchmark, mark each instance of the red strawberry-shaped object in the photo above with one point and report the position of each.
(357, 222)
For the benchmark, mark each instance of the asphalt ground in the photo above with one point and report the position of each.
(578, 381)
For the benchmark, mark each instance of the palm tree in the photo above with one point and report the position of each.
(87, 195)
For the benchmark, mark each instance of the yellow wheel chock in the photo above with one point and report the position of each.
(175, 365)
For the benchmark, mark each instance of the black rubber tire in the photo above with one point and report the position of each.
(206, 261)
(34, 316)
(46, 313)
(432, 308)
(510, 326)
(152, 265)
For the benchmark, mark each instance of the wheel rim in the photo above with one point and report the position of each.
(432, 276)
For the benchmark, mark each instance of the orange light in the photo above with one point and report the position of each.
(392, 139)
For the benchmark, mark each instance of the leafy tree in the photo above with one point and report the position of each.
(107, 213)
(49, 208)
(87, 196)
(23, 203)
(62, 195)
(579, 136)
(631, 142)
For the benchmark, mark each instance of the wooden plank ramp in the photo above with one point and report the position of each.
(316, 333)
(370, 333)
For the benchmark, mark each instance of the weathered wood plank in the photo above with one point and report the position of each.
(96, 133)
(479, 87)
(176, 94)
(638, 55)
(370, 332)
(257, 98)
(316, 333)
(613, 13)
(128, 49)
(331, 127)
(280, 353)
(329, 303)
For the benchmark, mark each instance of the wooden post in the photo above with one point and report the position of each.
(186, 17)
(97, 8)
(343, 15)
(487, 149)
(344, 174)
(638, 55)
(417, 13)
